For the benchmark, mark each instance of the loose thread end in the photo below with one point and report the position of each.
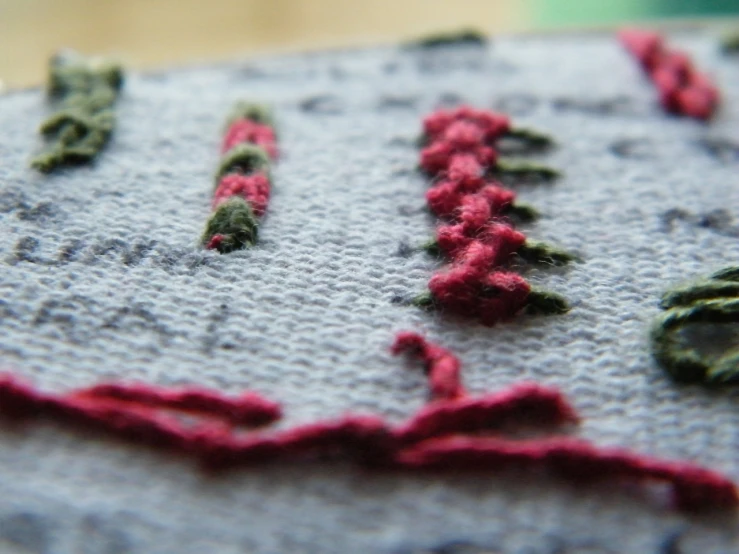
(542, 302)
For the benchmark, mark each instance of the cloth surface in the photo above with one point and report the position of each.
(102, 279)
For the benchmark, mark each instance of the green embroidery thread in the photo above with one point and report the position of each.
(713, 300)
(85, 91)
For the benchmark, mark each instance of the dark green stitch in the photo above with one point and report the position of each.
(244, 158)
(436, 40)
(425, 301)
(235, 222)
(542, 253)
(702, 290)
(530, 137)
(257, 113)
(713, 300)
(526, 169)
(684, 362)
(730, 43)
(85, 91)
(543, 302)
(727, 274)
(524, 212)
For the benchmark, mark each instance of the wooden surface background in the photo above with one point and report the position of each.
(158, 33)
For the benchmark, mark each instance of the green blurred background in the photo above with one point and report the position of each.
(593, 12)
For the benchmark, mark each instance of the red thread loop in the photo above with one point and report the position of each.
(442, 367)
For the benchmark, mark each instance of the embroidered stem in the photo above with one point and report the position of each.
(243, 180)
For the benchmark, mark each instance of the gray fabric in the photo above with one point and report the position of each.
(101, 278)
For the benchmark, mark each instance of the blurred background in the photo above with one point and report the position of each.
(157, 33)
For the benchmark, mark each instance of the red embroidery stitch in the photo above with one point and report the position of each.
(693, 488)
(246, 131)
(441, 365)
(442, 435)
(247, 409)
(682, 89)
(477, 240)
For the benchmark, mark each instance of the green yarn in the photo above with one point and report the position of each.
(730, 43)
(714, 300)
(530, 137)
(543, 253)
(235, 221)
(702, 290)
(85, 91)
(257, 113)
(543, 302)
(526, 169)
(245, 159)
(524, 212)
(727, 274)
(463, 36)
(425, 301)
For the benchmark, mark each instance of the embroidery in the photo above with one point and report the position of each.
(446, 434)
(730, 43)
(468, 37)
(85, 91)
(682, 89)
(243, 180)
(461, 154)
(714, 300)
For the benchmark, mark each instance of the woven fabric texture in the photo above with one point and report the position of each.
(101, 278)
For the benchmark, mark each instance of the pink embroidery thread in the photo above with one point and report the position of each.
(682, 89)
(445, 434)
(477, 238)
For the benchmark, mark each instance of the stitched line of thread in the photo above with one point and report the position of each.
(682, 89)
(713, 300)
(445, 434)
(243, 180)
(477, 238)
(85, 91)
